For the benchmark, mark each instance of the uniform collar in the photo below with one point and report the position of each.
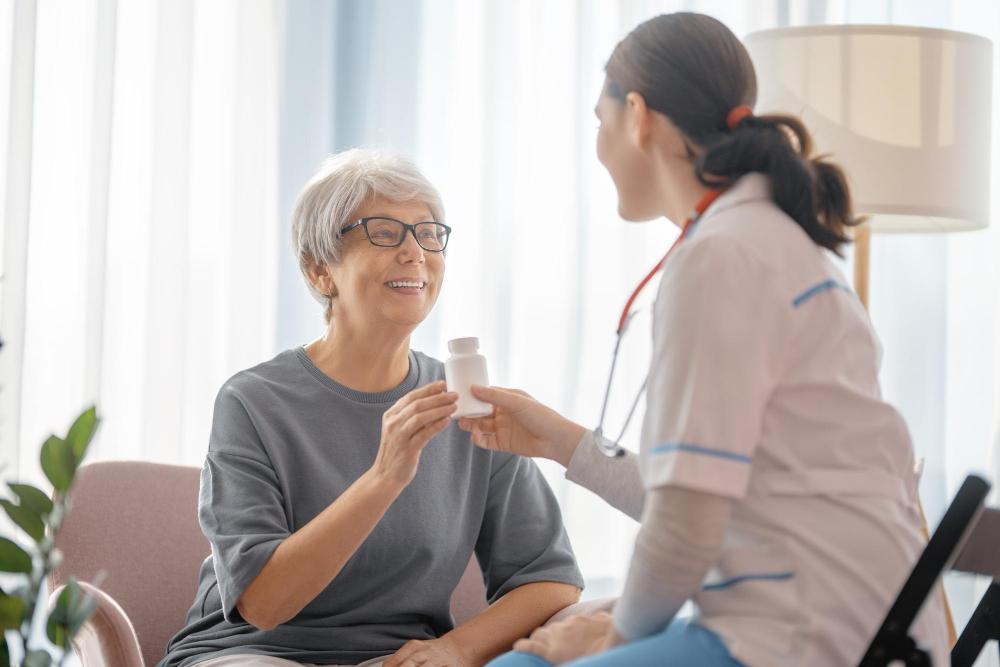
(751, 187)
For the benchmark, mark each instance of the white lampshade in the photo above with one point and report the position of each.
(905, 111)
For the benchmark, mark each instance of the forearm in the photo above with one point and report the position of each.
(311, 557)
(616, 480)
(680, 539)
(513, 616)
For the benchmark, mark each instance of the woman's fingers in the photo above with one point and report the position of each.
(419, 413)
(418, 421)
(498, 396)
(428, 403)
(403, 654)
(487, 441)
(426, 391)
(530, 646)
(480, 425)
(424, 435)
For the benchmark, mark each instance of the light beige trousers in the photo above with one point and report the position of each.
(251, 660)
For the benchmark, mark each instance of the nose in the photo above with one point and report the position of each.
(410, 250)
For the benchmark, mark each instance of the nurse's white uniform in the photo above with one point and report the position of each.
(763, 388)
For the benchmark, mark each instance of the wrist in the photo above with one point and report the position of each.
(381, 483)
(564, 445)
(464, 654)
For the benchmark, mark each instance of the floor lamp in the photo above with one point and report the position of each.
(905, 110)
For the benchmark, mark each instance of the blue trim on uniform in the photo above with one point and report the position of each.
(698, 449)
(775, 576)
(817, 289)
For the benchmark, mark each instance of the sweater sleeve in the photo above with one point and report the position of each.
(616, 480)
(680, 539)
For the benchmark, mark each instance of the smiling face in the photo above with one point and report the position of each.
(378, 286)
(635, 143)
(625, 161)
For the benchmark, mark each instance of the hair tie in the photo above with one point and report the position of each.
(737, 114)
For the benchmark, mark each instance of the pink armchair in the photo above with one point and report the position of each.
(138, 523)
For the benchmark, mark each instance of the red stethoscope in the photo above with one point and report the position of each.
(611, 448)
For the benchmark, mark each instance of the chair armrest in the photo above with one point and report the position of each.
(584, 609)
(107, 638)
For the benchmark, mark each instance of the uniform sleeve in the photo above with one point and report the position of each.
(616, 480)
(680, 539)
(522, 538)
(717, 333)
(240, 506)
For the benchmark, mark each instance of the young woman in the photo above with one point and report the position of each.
(774, 485)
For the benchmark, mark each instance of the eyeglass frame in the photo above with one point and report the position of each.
(412, 229)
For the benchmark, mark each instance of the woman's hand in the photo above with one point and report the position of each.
(521, 425)
(573, 638)
(407, 427)
(441, 652)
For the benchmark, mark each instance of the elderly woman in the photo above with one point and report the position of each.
(341, 501)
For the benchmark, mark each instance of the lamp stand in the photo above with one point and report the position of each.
(862, 255)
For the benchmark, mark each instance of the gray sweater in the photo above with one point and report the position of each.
(286, 441)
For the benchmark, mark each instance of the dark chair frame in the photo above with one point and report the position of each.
(893, 642)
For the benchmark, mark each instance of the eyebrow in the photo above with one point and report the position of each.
(428, 218)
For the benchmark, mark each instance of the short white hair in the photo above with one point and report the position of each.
(343, 184)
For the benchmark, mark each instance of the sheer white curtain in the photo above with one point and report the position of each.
(152, 149)
(140, 226)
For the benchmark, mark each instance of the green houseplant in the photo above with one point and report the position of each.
(39, 517)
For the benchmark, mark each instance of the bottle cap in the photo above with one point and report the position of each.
(463, 345)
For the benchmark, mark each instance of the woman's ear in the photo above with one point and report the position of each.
(321, 279)
(638, 119)
(645, 127)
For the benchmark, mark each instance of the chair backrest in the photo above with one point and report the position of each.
(979, 556)
(892, 641)
(138, 522)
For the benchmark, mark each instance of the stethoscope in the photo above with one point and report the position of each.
(612, 449)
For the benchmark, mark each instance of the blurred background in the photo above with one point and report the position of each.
(151, 151)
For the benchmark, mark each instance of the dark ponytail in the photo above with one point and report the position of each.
(694, 70)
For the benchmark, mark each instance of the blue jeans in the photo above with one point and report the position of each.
(681, 644)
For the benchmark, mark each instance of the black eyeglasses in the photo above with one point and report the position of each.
(390, 233)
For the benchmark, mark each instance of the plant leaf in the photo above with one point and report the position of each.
(82, 432)
(11, 612)
(37, 658)
(58, 462)
(79, 616)
(13, 558)
(65, 599)
(57, 632)
(73, 606)
(4, 652)
(32, 497)
(27, 519)
(60, 624)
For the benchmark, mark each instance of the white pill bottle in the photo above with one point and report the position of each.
(463, 369)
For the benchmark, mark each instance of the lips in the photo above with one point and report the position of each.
(407, 284)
